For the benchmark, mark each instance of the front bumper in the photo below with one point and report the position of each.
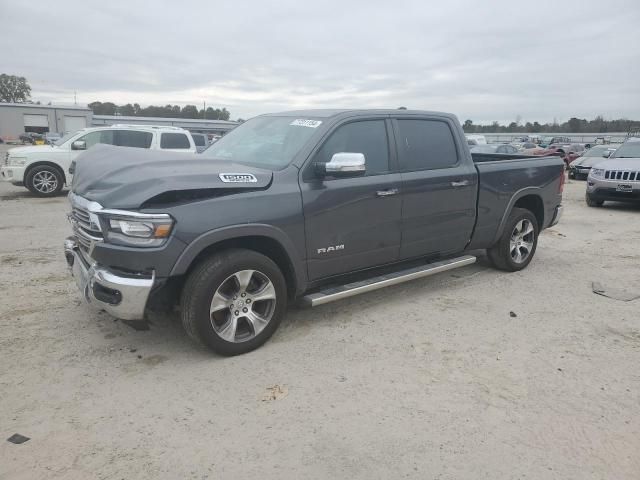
(13, 174)
(124, 297)
(599, 189)
(557, 215)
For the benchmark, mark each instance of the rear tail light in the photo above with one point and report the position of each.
(562, 181)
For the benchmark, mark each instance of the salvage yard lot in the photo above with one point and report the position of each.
(434, 378)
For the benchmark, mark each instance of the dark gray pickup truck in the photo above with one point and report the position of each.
(312, 206)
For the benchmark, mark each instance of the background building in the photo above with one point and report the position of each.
(217, 127)
(17, 118)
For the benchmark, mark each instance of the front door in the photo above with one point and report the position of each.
(439, 188)
(352, 223)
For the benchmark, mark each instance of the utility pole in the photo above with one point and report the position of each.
(75, 102)
(204, 110)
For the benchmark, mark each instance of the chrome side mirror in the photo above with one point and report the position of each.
(79, 145)
(343, 164)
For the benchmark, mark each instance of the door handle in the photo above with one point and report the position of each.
(462, 183)
(387, 193)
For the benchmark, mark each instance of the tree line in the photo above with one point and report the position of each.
(573, 125)
(168, 111)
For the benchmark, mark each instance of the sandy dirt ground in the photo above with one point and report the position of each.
(433, 379)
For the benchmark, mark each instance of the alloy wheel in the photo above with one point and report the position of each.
(45, 181)
(521, 242)
(243, 306)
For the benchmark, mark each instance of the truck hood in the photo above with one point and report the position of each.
(619, 164)
(20, 151)
(119, 177)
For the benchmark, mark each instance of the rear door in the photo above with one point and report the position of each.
(439, 187)
(352, 223)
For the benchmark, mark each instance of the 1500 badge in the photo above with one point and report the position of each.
(238, 178)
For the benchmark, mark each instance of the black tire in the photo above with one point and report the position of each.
(205, 281)
(34, 182)
(591, 202)
(572, 175)
(501, 253)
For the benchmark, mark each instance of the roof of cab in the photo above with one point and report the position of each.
(327, 113)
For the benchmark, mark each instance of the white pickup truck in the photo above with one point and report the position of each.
(44, 169)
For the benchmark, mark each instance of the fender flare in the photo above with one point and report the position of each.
(238, 231)
(514, 198)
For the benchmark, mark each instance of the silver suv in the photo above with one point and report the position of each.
(618, 178)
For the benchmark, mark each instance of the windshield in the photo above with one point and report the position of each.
(264, 142)
(629, 149)
(484, 149)
(595, 152)
(64, 139)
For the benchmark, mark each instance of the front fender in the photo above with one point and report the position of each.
(239, 231)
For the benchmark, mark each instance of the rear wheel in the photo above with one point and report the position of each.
(234, 301)
(592, 202)
(44, 181)
(515, 249)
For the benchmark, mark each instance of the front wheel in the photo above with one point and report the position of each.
(44, 181)
(515, 249)
(234, 301)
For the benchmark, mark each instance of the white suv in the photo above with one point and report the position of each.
(44, 169)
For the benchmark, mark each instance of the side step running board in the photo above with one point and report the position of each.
(356, 288)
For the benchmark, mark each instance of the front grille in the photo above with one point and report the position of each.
(622, 175)
(85, 229)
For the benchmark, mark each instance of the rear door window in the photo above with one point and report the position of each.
(425, 145)
(174, 141)
(133, 138)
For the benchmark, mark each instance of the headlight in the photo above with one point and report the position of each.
(140, 230)
(16, 161)
(596, 173)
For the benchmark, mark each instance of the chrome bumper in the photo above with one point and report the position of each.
(122, 297)
(557, 215)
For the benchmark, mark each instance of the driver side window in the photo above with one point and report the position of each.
(368, 137)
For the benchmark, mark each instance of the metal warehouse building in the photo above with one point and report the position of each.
(218, 127)
(16, 118)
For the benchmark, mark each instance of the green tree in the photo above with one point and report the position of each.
(189, 111)
(14, 89)
(468, 126)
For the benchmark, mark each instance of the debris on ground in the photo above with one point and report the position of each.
(615, 293)
(275, 392)
(17, 439)
(512, 314)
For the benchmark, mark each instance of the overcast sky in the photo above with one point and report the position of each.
(492, 60)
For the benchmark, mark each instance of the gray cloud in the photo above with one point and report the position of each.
(485, 61)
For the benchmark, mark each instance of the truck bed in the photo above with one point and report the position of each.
(504, 179)
(496, 157)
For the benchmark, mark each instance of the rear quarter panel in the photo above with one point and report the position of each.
(503, 183)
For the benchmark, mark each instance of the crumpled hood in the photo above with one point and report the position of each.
(119, 177)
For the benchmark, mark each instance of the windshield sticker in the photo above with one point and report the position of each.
(306, 123)
(238, 178)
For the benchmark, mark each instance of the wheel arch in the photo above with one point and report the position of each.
(40, 163)
(529, 198)
(265, 239)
